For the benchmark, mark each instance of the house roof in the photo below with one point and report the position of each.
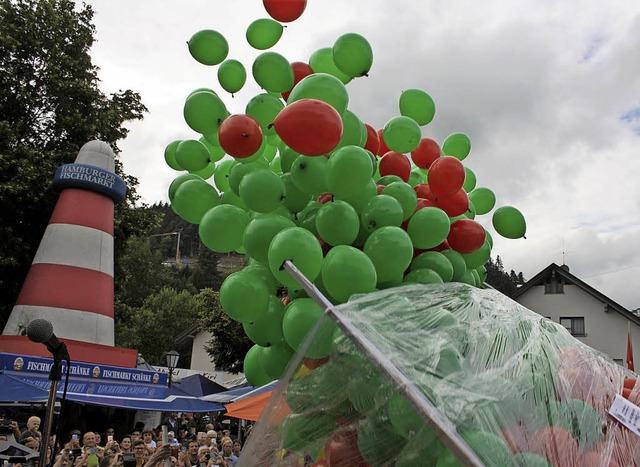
(563, 271)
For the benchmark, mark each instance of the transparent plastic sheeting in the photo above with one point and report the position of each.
(520, 390)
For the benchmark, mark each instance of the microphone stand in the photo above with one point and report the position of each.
(55, 375)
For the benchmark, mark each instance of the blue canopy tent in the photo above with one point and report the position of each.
(198, 385)
(14, 390)
(227, 396)
(102, 385)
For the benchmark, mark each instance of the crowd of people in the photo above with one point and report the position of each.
(184, 446)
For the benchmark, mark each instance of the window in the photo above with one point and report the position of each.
(554, 285)
(574, 325)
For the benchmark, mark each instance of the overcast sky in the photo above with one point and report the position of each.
(548, 92)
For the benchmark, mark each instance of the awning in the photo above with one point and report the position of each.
(227, 396)
(251, 405)
(15, 390)
(103, 385)
(198, 385)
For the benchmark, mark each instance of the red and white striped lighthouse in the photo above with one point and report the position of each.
(70, 282)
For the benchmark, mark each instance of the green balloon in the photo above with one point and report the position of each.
(273, 72)
(207, 172)
(221, 175)
(482, 274)
(294, 199)
(215, 151)
(192, 155)
(489, 238)
(308, 174)
(260, 232)
(232, 75)
(275, 165)
(253, 371)
(529, 459)
(428, 227)
(299, 246)
(287, 157)
(179, 180)
(264, 108)
(269, 152)
(352, 55)
(402, 134)
(457, 261)
(469, 180)
(321, 61)
(417, 105)
(324, 87)
(261, 190)
(354, 131)
(415, 178)
(193, 199)
(229, 197)
(457, 145)
(483, 199)
(244, 296)
(170, 155)
(348, 171)
(347, 271)
(262, 270)
(382, 210)
(208, 47)
(300, 318)
(509, 222)
(337, 223)
(204, 112)
(391, 251)
(221, 228)
(275, 359)
(264, 33)
(307, 217)
(359, 199)
(435, 261)
(405, 420)
(267, 329)
(479, 257)
(423, 276)
(237, 172)
(389, 179)
(406, 196)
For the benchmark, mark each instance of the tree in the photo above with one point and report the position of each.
(50, 105)
(507, 283)
(153, 327)
(229, 343)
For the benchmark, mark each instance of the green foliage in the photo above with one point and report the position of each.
(153, 327)
(229, 343)
(507, 283)
(50, 105)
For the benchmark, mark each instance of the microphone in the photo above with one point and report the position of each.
(41, 331)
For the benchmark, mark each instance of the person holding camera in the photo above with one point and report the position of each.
(93, 452)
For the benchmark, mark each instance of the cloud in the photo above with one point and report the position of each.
(547, 92)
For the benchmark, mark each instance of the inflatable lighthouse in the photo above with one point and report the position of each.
(70, 282)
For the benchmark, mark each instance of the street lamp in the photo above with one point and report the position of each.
(172, 362)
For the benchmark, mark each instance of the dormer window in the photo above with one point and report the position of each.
(554, 284)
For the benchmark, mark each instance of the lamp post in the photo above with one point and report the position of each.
(172, 363)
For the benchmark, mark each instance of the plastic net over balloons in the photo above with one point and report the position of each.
(518, 388)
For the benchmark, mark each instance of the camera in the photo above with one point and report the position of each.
(207, 456)
(129, 460)
(75, 453)
(5, 426)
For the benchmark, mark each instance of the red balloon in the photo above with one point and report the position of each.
(446, 176)
(383, 148)
(300, 70)
(423, 191)
(395, 163)
(324, 198)
(466, 236)
(380, 188)
(426, 153)
(454, 205)
(313, 363)
(373, 141)
(309, 126)
(240, 135)
(285, 11)
(341, 449)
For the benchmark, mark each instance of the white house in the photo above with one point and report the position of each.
(590, 316)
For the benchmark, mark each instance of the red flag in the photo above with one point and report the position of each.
(629, 351)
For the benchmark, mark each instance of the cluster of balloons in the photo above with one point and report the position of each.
(300, 177)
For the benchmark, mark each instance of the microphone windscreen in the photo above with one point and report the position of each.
(39, 330)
